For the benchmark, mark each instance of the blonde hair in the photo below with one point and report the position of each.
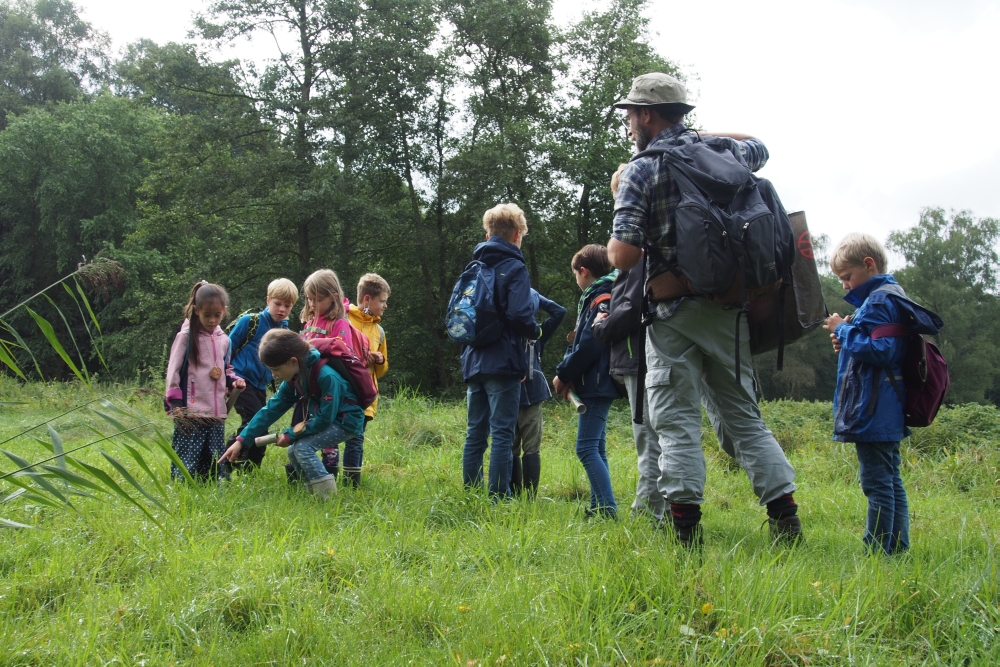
(505, 221)
(853, 249)
(373, 285)
(283, 289)
(320, 284)
(616, 177)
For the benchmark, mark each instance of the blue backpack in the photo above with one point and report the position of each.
(472, 317)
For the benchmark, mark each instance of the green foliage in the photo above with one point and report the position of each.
(48, 55)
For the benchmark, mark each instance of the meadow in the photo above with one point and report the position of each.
(411, 568)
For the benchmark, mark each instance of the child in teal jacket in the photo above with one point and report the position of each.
(332, 413)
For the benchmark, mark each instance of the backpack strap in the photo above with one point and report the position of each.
(603, 298)
(890, 331)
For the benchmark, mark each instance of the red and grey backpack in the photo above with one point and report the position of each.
(336, 354)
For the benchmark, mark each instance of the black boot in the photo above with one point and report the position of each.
(532, 464)
(352, 476)
(516, 482)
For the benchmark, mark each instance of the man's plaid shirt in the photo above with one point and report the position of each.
(648, 197)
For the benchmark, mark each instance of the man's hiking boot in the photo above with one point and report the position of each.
(785, 531)
(689, 536)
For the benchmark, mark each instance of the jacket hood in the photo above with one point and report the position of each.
(186, 328)
(265, 314)
(495, 250)
(362, 315)
(857, 296)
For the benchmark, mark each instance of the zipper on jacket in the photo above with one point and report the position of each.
(215, 361)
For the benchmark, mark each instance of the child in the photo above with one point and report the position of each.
(866, 409)
(198, 373)
(373, 298)
(244, 339)
(324, 316)
(332, 415)
(494, 372)
(586, 370)
(526, 465)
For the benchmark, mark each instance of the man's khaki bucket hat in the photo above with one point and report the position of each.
(656, 88)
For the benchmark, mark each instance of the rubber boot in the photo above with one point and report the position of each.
(322, 487)
(352, 476)
(516, 483)
(532, 467)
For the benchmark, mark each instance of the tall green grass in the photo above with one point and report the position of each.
(412, 569)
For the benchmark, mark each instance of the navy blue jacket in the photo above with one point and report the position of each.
(247, 363)
(866, 407)
(535, 388)
(622, 329)
(587, 362)
(513, 298)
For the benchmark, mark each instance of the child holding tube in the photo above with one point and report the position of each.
(585, 371)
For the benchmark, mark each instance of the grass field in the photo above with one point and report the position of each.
(412, 569)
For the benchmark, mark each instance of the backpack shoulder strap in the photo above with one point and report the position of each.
(603, 298)
(314, 375)
(890, 331)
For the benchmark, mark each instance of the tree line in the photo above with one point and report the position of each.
(374, 142)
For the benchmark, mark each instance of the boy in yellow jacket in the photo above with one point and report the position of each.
(373, 297)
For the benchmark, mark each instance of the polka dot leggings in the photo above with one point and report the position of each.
(199, 446)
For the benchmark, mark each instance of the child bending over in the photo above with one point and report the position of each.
(331, 411)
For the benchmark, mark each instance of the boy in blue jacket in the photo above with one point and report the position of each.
(494, 372)
(245, 335)
(526, 468)
(866, 407)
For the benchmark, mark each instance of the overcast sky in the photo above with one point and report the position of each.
(871, 109)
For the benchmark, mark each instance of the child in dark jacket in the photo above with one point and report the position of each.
(526, 466)
(585, 369)
(245, 335)
(866, 407)
(494, 372)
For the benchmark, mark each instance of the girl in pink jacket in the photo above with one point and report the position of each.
(199, 376)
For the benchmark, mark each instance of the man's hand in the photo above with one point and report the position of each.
(232, 453)
(562, 388)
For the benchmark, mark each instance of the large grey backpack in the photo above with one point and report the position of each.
(734, 241)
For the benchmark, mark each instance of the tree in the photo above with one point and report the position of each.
(952, 267)
(48, 54)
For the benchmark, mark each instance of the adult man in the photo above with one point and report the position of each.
(692, 338)
(494, 372)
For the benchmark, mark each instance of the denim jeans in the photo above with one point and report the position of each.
(888, 524)
(590, 449)
(303, 452)
(494, 401)
(354, 450)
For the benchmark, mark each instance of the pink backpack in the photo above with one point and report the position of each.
(925, 375)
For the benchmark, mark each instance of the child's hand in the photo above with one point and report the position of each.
(239, 383)
(232, 453)
(836, 343)
(177, 412)
(376, 357)
(562, 388)
(600, 316)
(571, 336)
(831, 323)
(283, 440)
